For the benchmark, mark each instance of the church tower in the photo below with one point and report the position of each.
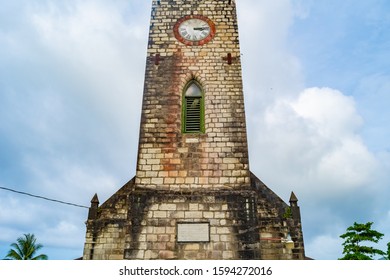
(193, 196)
(193, 132)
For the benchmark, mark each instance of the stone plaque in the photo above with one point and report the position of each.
(193, 232)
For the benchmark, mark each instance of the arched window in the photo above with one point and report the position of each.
(193, 109)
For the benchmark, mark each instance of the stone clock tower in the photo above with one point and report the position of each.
(193, 196)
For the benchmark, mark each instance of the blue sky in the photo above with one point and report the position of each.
(316, 81)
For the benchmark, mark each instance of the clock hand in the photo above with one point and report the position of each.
(200, 28)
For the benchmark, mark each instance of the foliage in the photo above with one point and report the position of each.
(355, 236)
(26, 248)
(287, 213)
(387, 257)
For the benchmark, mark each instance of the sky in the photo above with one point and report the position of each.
(316, 80)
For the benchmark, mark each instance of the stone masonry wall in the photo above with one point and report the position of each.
(158, 237)
(106, 226)
(193, 178)
(142, 224)
(167, 158)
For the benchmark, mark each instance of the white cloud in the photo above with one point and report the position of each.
(57, 173)
(315, 140)
(63, 233)
(95, 47)
(54, 225)
(333, 116)
(309, 140)
(82, 90)
(12, 212)
(331, 112)
(305, 139)
(270, 70)
(72, 97)
(324, 246)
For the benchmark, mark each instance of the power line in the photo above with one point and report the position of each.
(45, 198)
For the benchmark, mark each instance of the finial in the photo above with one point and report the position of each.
(293, 198)
(93, 210)
(95, 199)
(296, 213)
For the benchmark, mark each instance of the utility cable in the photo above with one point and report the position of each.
(45, 198)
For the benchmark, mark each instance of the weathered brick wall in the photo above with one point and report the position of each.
(159, 227)
(277, 221)
(193, 178)
(142, 224)
(107, 226)
(167, 158)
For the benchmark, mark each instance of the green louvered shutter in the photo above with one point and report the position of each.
(193, 109)
(193, 114)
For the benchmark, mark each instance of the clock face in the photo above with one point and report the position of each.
(194, 30)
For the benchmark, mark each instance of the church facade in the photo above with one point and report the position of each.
(193, 195)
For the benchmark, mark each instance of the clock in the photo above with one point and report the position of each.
(194, 30)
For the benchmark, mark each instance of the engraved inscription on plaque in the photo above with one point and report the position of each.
(193, 232)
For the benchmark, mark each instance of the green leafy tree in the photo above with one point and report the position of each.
(387, 257)
(26, 248)
(356, 242)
